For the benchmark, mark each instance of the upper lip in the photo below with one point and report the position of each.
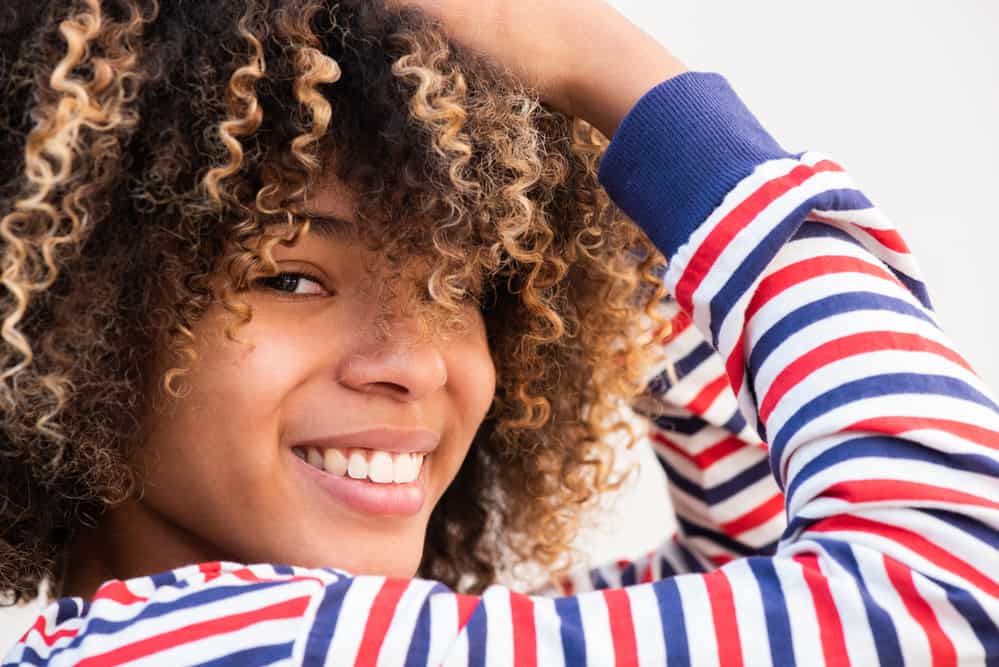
(399, 441)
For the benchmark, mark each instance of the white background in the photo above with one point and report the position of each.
(901, 93)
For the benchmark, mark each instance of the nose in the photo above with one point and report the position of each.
(394, 364)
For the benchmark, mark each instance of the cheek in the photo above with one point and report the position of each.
(227, 423)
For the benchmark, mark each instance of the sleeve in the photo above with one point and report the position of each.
(882, 439)
(726, 503)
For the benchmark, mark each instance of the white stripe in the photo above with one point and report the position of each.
(914, 645)
(836, 419)
(762, 173)
(750, 618)
(353, 618)
(966, 643)
(596, 629)
(499, 626)
(548, 627)
(443, 625)
(742, 245)
(806, 641)
(220, 645)
(648, 628)
(245, 601)
(400, 633)
(701, 638)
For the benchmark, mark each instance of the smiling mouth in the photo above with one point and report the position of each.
(376, 466)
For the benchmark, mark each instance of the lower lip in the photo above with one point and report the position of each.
(367, 497)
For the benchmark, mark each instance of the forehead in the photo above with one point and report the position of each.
(331, 207)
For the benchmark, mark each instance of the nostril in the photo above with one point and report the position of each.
(391, 387)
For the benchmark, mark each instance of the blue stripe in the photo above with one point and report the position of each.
(167, 578)
(816, 311)
(774, 611)
(666, 568)
(980, 621)
(629, 575)
(67, 608)
(324, 625)
(571, 630)
(742, 277)
(988, 536)
(715, 494)
(693, 565)
(691, 529)
(101, 626)
(253, 657)
(477, 636)
(28, 657)
(673, 623)
(419, 646)
(887, 447)
(886, 384)
(597, 580)
(683, 366)
(683, 425)
(882, 626)
(816, 229)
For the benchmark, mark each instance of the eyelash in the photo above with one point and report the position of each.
(270, 281)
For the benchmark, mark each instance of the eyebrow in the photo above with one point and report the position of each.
(328, 226)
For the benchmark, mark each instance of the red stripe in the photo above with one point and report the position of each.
(119, 592)
(735, 365)
(709, 456)
(941, 647)
(826, 614)
(848, 346)
(466, 607)
(379, 617)
(725, 622)
(902, 424)
(621, 626)
(889, 238)
(781, 280)
(648, 575)
(755, 517)
(700, 403)
(808, 269)
(525, 643)
(678, 324)
(211, 570)
(728, 227)
(878, 490)
(49, 639)
(913, 541)
(197, 631)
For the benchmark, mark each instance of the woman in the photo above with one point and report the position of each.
(509, 272)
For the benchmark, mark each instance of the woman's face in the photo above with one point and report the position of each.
(330, 370)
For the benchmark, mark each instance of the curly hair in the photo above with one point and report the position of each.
(146, 147)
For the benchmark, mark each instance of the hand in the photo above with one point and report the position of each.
(582, 56)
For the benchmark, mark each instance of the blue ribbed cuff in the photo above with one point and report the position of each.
(679, 151)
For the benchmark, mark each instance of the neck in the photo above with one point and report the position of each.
(131, 540)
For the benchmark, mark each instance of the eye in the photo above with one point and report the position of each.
(291, 282)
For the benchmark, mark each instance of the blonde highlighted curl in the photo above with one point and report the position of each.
(148, 147)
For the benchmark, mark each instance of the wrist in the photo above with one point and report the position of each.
(620, 63)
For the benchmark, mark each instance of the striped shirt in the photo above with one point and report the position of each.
(833, 461)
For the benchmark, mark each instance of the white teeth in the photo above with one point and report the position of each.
(357, 465)
(335, 462)
(380, 468)
(314, 457)
(407, 468)
(377, 466)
